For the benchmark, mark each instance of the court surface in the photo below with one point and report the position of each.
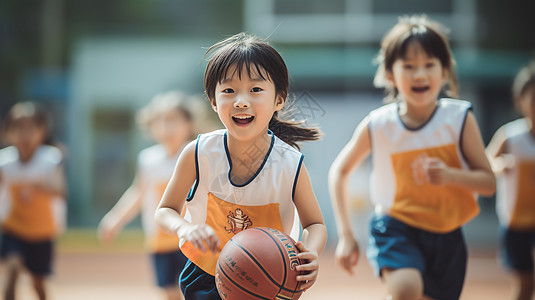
(87, 271)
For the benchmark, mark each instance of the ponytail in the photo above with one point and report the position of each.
(292, 132)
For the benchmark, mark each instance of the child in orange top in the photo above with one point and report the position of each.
(512, 154)
(250, 172)
(428, 161)
(169, 121)
(32, 190)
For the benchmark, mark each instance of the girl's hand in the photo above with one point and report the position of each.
(437, 171)
(201, 236)
(310, 266)
(107, 230)
(347, 254)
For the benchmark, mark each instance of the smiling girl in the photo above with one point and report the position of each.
(251, 172)
(428, 161)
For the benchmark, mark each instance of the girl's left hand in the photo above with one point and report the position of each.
(437, 171)
(309, 266)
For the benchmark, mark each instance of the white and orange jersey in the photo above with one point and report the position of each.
(515, 198)
(154, 170)
(27, 207)
(266, 200)
(398, 186)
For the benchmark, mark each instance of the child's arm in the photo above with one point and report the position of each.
(480, 177)
(497, 154)
(168, 212)
(352, 155)
(128, 206)
(314, 231)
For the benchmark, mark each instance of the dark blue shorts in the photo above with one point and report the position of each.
(516, 249)
(36, 256)
(167, 267)
(197, 284)
(440, 258)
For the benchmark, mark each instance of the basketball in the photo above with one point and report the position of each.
(258, 263)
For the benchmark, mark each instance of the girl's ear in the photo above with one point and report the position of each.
(214, 106)
(279, 103)
(390, 78)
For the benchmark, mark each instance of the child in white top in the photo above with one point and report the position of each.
(32, 197)
(248, 175)
(428, 161)
(168, 120)
(512, 154)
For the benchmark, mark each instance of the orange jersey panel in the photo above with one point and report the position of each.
(423, 205)
(227, 219)
(31, 213)
(524, 211)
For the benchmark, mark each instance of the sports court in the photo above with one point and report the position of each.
(86, 270)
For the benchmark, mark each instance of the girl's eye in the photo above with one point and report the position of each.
(256, 89)
(228, 91)
(407, 67)
(430, 65)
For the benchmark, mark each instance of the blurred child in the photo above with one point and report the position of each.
(252, 166)
(169, 121)
(32, 197)
(428, 161)
(512, 155)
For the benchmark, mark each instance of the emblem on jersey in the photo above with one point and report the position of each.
(419, 169)
(238, 221)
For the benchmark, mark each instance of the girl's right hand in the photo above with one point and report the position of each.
(201, 236)
(347, 254)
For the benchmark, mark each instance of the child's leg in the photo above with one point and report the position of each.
(523, 286)
(13, 265)
(403, 284)
(38, 282)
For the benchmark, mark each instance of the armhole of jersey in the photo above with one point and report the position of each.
(469, 109)
(196, 183)
(297, 174)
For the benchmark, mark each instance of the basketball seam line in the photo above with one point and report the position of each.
(281, 287)
(241, 288)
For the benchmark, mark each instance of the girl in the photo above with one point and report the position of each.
(512, 154)
(167, 119)
(250, 167)
(32, 192)
(428, 161)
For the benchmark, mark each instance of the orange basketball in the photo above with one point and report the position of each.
(258, 263)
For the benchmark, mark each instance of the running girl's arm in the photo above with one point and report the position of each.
(128, 207)
(352, 155)
(497, 154)
(168, 212)
(480, 177)
(314, 231)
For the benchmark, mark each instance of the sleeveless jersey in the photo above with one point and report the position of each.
(155, 169)
(515, 199)
(398, 185)
(265, 200)
(26, 210)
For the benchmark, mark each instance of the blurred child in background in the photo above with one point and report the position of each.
(428, 160)
(32, 197)
(512, 155)
(168, 120)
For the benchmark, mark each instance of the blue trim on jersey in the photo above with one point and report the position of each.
(196, 183)
(257, 171)
(462, 132)
(421, 126)
(297, 174)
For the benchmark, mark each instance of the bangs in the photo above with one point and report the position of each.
(237, 59)
(242, 54)
(432, 43)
